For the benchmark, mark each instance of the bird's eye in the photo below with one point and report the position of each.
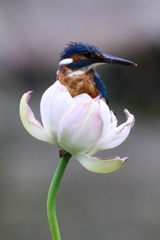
(88, 54)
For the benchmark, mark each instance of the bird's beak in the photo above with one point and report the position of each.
(115, 60)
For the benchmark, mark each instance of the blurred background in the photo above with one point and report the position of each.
(120, 205)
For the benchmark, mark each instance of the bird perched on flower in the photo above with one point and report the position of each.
(74, 115)
(77, 69)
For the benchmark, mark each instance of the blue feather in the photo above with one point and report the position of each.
(78, 48)
(100, 86)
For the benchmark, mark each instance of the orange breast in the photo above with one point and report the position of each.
(78, 83)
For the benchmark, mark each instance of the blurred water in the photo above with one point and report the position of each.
(120, 205)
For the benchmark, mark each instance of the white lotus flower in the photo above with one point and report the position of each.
(81, 126)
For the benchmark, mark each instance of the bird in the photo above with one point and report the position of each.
(77, 69)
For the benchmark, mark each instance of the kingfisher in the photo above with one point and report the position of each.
(77, 69)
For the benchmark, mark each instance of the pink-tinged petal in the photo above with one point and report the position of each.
(84, 97)
(115, 135)
(80, 128)
(100, 165)
(55, 103)
(106, 116)
(29, 121)
(120, 134)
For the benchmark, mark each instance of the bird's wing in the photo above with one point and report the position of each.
(100, 86)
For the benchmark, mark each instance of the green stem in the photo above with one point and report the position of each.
(52, 194)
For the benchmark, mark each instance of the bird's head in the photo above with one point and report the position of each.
(79, 55)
